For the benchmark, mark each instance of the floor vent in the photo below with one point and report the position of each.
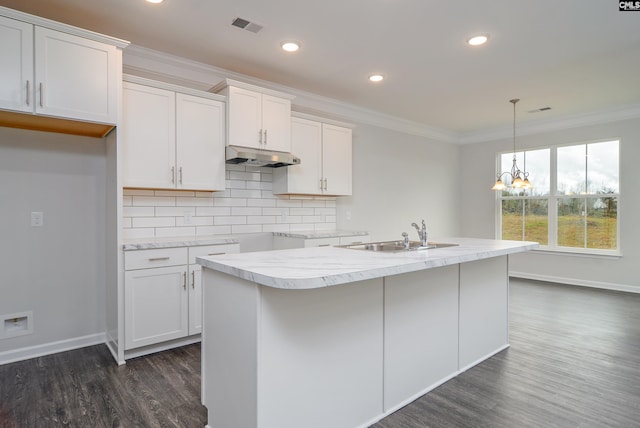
(246, 25)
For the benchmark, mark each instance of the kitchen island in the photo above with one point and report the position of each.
(338, 337)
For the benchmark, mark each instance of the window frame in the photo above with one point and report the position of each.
(554, 196)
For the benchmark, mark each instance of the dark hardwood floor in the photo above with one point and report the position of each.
(574, 361)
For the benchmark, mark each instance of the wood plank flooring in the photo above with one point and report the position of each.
(574, 361)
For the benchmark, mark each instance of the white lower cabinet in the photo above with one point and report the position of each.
(163, 293)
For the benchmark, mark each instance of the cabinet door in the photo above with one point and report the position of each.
(336, 159)
(199, 143)
(306, 143)
(156, 305)
(75, 78)
(195, 300)
(16, 71)
(245, 118)
(148, 137)
(276, 123)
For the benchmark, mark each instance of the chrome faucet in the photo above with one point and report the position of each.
(422, 233)
(407, 244)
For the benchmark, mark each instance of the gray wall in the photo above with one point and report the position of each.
(399, 179)
(58, 270)
(479, 208)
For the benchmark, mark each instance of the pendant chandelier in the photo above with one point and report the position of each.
(519, 178)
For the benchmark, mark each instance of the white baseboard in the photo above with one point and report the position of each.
(26, 353)
(575, 281)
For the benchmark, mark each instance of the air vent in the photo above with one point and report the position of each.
(246, 25)
(539, 110)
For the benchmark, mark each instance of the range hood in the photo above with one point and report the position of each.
(258, 157)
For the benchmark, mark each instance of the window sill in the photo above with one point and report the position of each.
(581, 252)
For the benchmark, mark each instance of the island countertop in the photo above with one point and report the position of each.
(307, 268)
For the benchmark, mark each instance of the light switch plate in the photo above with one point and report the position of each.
(37, 219)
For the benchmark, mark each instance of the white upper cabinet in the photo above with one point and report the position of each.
(326, 160)
(75, 77)
(56, 74)
(199, 143)
(337, 161)
(257, 117)
(16, 72)
(172, 140)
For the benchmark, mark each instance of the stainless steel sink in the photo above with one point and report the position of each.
(396, 246)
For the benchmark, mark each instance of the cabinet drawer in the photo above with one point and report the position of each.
(210, 250)
(321, 242)
(160, 257)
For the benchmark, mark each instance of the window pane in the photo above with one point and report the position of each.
(512, 219)
(536, 225)
(571, 217)
(602, 223)
(538, 166)
(572, 170)
(602, 167)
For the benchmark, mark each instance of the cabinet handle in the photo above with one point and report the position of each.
(28, 94)
(324, 245)
(321, 188)
(173, 174)
(325, 184)
(41, 95)
(184, 280)
(157, 259)
(215, 254)
(193, 279)
(260, 137)
(180, 175)
(265, 137)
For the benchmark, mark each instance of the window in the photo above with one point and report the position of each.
(573, 205)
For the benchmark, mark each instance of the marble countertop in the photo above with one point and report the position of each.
(312, 234)
(183, 241)
(306, 268)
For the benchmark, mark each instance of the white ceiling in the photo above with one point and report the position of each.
(576, 56)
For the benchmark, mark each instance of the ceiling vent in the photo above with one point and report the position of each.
(246, 25)
(539, 110)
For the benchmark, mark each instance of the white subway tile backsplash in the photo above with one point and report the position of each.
(194, 202)
(245, 193)
(154, 201)
(248, 205)
(212, 211)
(170, 232)
(238, 211)
(222, 220)
(138, 211)
(246, 228)
(261, 219)
(153, 222)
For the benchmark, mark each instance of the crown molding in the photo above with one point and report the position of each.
(177, 70)
(64, 28)
(630, 111)
(173, 69)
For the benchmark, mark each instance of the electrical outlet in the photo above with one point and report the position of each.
(37, 219)
(188, 219)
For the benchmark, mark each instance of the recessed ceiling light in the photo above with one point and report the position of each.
(290, 46)
(376, 78)
(478, 40)
(154, 1)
